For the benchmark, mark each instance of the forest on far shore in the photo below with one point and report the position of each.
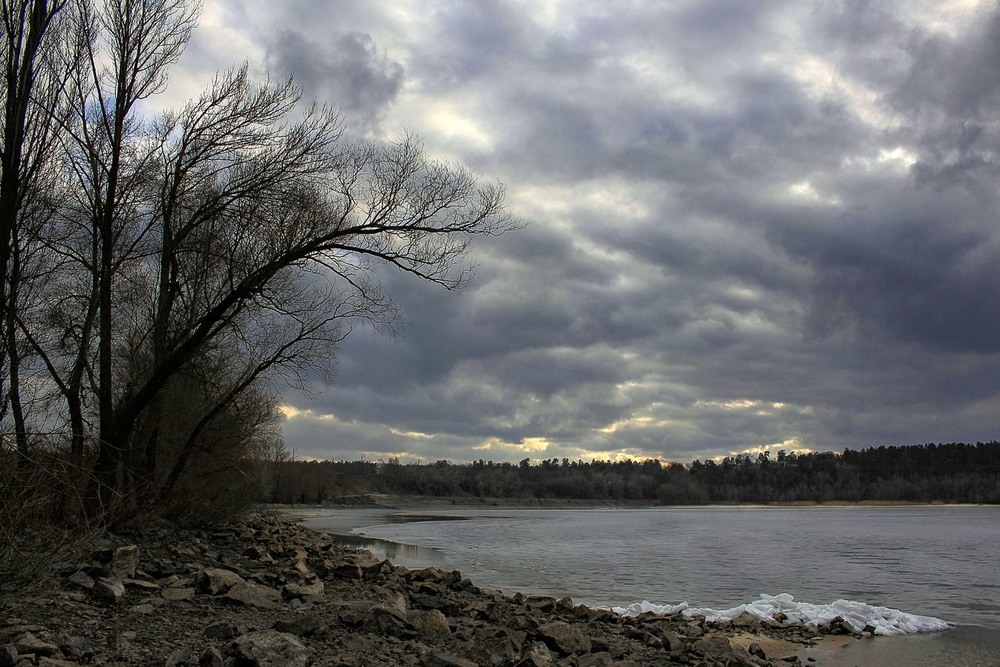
(947, 473)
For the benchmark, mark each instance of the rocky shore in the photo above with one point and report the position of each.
(268, 592)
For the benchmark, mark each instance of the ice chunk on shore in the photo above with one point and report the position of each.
(858, 615)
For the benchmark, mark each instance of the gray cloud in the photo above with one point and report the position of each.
(753, 224)
(349, 71)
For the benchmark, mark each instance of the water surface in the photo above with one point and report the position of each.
(934, 561)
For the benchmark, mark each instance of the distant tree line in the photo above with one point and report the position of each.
(951, 473)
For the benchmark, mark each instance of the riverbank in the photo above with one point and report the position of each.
(388, 501)
(267, 591)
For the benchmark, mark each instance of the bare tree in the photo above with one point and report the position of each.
(200, 258)
(37, 53)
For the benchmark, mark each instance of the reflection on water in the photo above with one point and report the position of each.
(340, 524)
(407, 555)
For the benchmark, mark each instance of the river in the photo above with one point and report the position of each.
(930, 561)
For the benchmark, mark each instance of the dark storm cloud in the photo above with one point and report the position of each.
(752, 224)
(348, 70)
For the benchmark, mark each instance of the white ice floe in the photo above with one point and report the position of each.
(858, 615)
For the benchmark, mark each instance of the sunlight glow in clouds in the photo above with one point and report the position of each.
(749, 222)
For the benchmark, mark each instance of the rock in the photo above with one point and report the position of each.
(258, 553)
(347, 571)
(541, 603)
(176, 594)
(189, 657)
(720, 650)
(569, 639)
(125, 561)
(254, 595)
(221, 630)
(307, 592)
(183, 657)
(537, 655)
(211, 657)
(602, 659)
(8, 655)
(300, 626)
(141, 585)
(108, 589)
(712, 645)
(495, 646)
(671, 640)
(431, 623)
(81, 579)
(445, 660)
(55, 662)
(216, 581)
(388, 621)
(358, 643)
(30, 644)
(693, 630)
(78, 648)
(270, 648)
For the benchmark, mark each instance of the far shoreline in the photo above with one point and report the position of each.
(377, 501)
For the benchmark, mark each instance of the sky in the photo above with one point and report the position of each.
(749, 225)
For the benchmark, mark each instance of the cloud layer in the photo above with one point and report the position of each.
(752, 225)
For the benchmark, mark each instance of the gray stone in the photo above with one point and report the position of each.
(602, 659)
(258, 553)
(177, 594)
(8, 655)
(29, 643)
(312, 591)
(221, 630)
(211, 657)
(79, 648)
(46, 661)
(445, 660)
(541, 603)
(358, 643)
(182, 657)
(254, 595)
(347, 571)
(671, 640)
(270, 648)
(81, 580)
(108, 589)
(141, 585)
(300, 626)
(537, 655)
(569, 639)
(744, 620)
(431, 623)
(124, 561)
(388, 621)
(216, 581)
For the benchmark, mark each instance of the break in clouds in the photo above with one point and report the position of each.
(750, 225)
